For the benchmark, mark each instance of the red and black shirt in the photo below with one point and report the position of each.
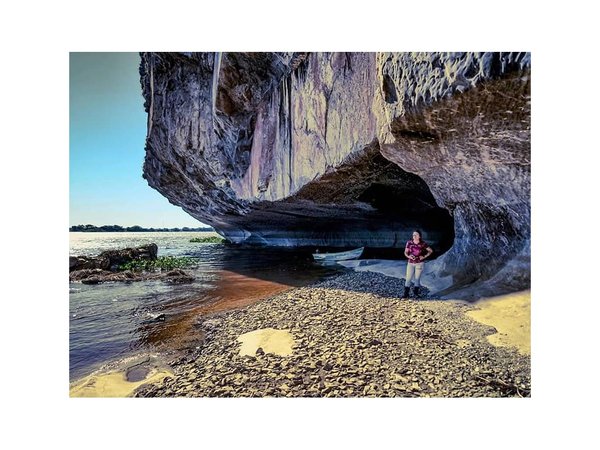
(417, 250)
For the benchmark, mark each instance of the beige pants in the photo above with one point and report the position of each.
(414, 271)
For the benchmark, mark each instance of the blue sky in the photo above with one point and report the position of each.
(107, 134)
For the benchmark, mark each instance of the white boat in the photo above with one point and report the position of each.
(341, 256)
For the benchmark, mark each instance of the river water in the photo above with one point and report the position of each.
(111, 321)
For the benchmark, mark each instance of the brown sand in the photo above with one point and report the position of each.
(233, 291)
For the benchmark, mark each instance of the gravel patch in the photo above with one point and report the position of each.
(354, 337)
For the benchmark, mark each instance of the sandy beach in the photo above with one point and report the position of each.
(122, 378)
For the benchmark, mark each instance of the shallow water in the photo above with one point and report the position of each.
(110, 321)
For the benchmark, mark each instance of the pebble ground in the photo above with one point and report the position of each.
(354, 337)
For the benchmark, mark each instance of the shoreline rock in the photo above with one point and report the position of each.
(353, 337)
(111, 259)
(104, 267)
(96, 276)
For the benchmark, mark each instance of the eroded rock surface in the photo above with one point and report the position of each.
(352, 149)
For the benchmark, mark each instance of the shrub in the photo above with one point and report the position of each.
(160, 263)
(208, 240)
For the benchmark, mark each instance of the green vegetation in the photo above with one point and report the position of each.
(162, 263)
(208, 240)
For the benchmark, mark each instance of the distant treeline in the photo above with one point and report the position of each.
(135, 228)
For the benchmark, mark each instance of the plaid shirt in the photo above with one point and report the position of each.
(417, 250)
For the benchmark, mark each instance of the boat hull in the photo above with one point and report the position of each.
(341, 256)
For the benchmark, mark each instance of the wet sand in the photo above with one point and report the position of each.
(121, 378)
(237, 291)
(112, 384)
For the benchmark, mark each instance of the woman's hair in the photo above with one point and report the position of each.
(420, 234)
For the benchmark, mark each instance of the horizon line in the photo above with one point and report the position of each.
(89, 225)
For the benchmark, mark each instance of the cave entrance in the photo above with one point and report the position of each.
(406, 208)
(367, 201)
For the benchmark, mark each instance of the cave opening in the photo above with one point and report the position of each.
(401, 208)
(367, 202)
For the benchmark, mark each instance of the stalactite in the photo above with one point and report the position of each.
(151, 110)
(285, 122)
(215, 80)
(301, 71)
(289, 131)
(347, 63)
(217, 125)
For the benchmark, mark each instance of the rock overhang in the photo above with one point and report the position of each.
(319, 148)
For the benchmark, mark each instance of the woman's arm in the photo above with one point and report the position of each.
(429, 252)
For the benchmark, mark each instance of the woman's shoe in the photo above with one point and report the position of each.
(406, 292)
(416, 292)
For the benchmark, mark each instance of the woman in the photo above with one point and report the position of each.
(416, 251)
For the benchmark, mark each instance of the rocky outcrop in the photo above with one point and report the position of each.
(111, 259)
(96, 276)
(106, 267)
(351, 149)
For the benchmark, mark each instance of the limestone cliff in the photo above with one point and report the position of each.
(351, 149)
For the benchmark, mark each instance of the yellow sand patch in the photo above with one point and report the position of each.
(279, 342)
(462, 343)
(511, 316)
(112, 384)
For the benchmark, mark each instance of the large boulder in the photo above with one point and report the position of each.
(111, 259)
(88, 263)
(96, 276)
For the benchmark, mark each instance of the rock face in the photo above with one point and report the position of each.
(352, 149)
